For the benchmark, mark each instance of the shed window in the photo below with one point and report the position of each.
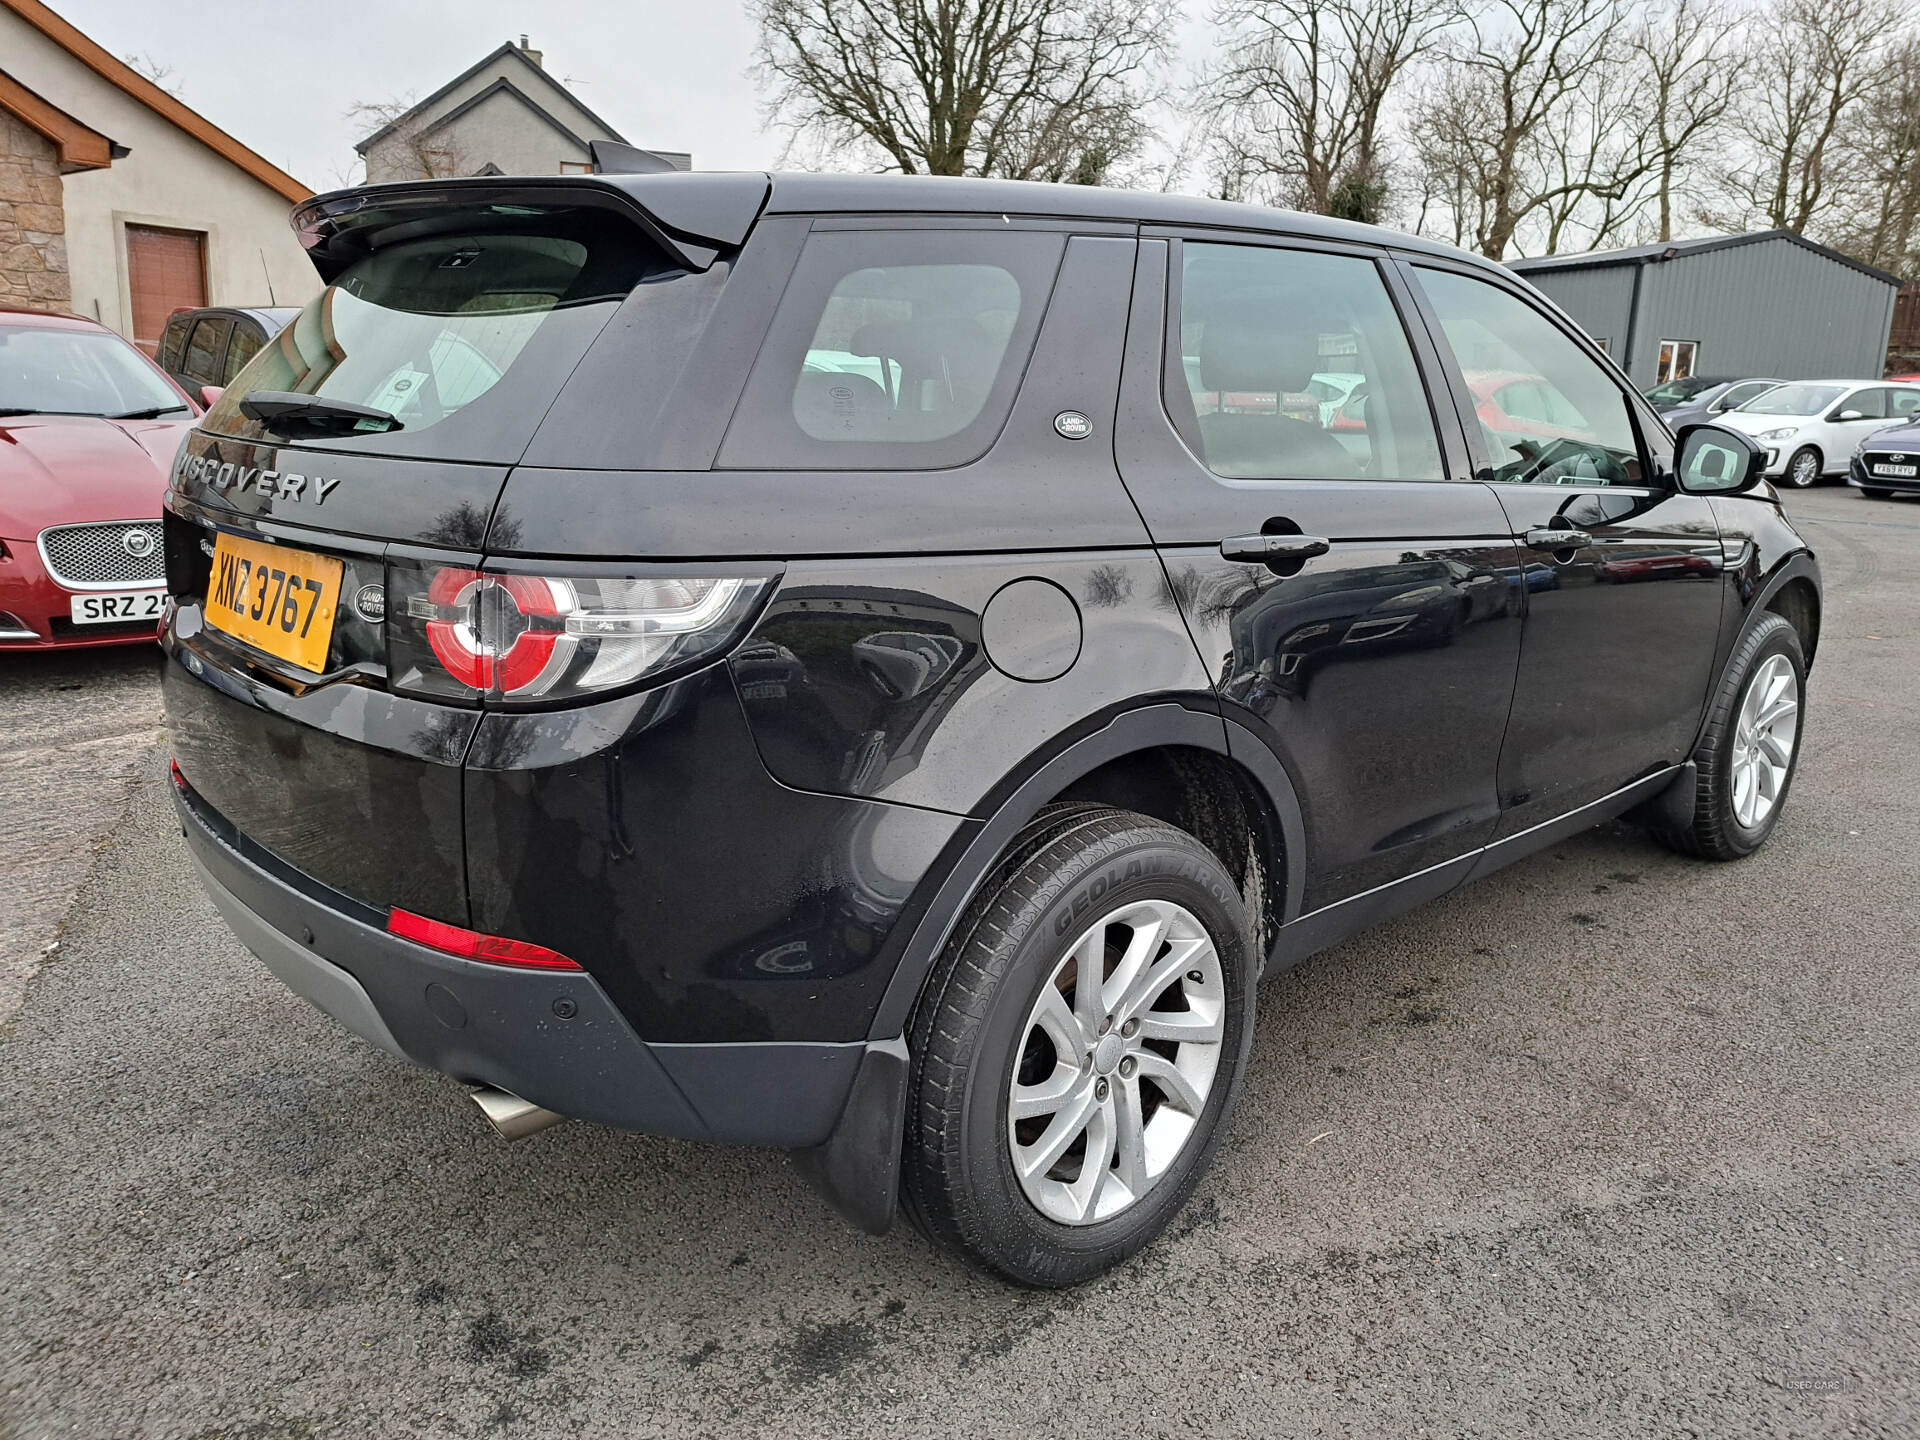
(1676, 360)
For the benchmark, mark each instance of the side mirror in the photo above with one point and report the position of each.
(1850, 415)
(1714, 460)
(210, 394)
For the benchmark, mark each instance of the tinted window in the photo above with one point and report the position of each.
(464, 336)
(173, 341)
(1579, 431)
(209, 343)
(242, 348)
(1270, 340)
(894, 350)
(1740, 394)
(1674, 391)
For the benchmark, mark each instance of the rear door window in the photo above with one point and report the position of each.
(244, 345)
(1270, 338)
(205, 349)
(896, 349)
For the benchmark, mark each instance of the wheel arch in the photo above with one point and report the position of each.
(1796, 599)
(1170, 759)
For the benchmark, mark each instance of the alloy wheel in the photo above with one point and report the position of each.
(1116, 1062)
(1806, 469)
(1764, 735)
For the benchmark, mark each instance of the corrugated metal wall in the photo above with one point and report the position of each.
(1770, 308)
(1596, 298)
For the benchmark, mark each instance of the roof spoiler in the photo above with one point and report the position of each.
(610, 157)
(692, 216)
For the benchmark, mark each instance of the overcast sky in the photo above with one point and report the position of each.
(280, 75)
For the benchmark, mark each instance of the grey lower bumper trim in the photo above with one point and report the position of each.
(319, 982)
(554, 1038)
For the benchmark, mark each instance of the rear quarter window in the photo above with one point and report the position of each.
(894, 350)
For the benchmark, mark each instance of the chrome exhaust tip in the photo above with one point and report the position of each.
(511, 1117)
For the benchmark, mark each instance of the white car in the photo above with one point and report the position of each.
(1810, 428)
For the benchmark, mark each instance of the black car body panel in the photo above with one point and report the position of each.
(963, 572)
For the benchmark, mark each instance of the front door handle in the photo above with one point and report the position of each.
(1273, 549)
(1544, 539)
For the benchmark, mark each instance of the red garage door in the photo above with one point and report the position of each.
(165, 269)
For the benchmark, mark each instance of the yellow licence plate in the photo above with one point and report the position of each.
(278, 600)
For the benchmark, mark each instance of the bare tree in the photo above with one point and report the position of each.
(162, 75)
(412, 150)
(1592, 159)
(1026, 89)
(1881, 143)
(1298, 97)
(1689, 68)
(1506, 129)
(1819, 59)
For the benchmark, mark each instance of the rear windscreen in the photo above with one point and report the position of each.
(463, 335)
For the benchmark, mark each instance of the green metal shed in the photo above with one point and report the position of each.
(1770, 303)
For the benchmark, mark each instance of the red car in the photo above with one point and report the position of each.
(88, 431)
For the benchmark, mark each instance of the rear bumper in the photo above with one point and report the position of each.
(553, 1038)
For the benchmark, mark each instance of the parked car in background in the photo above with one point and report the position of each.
(1888, 462)
(1686, 390)
(677, 726)
(89, 428)
(1716, 400)
(207, 347)
(1333, 390)
(1810, 428)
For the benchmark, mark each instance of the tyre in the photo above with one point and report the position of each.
(1873, 494)
(1079, 1048)
(1746, 757)
(1803, 470)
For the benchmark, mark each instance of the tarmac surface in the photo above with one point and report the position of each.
(1613, 1143)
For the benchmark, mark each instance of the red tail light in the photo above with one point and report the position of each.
(519, 638)
(472, 945)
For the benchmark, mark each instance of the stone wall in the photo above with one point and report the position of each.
(33, 221)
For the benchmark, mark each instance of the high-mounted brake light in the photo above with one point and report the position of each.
(472, 945)
(455, 630)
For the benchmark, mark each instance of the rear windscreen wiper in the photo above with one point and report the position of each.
(152, 412)
(287, 413)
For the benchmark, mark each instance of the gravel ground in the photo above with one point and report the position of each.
(1611, 1144)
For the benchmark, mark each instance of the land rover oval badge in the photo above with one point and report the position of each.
(370, 603)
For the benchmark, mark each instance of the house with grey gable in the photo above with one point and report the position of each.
(503, 116)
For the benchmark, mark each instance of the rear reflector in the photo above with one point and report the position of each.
(472, 945)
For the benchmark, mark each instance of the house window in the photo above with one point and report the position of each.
(166, 271)
(1676, 360)
(576, 167)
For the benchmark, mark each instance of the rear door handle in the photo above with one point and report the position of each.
(1273, 549)
(1544, 539)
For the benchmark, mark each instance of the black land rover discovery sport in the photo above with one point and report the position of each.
(879, 666)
